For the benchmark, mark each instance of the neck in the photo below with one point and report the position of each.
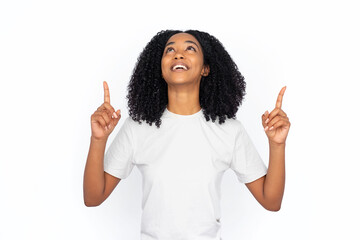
(183, 99)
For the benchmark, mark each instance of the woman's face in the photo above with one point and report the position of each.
(182, 59)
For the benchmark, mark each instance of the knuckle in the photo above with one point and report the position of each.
(105, 116)
(100, 109)
(103, 122)
(102, 113)
(100, 121)
(109, 107)
(105, 110)
(95, 117)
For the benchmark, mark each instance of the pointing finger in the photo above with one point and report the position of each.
(280, 97)
(274, 113)
(106, 92)
(108, 107)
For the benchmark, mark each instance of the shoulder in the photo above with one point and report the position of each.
(231, 124)
(139, 129)
(231, 128)
(234, 127)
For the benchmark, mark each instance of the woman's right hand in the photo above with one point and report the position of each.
(104, 119)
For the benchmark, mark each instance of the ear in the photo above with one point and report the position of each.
(205, 71)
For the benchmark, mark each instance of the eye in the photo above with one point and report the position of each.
(170, 48)
(191, 47)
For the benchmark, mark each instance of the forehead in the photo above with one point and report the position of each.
(182, 37)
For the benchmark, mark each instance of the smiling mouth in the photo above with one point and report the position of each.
(179, 68)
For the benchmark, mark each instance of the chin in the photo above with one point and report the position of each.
(181, 78)
(178, 81)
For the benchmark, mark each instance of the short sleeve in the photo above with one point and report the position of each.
(246, 162)
(118, 158)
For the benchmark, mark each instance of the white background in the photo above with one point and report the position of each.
(54, 56)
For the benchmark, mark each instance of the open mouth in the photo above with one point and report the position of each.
(179, 67)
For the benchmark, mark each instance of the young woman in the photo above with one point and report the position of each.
(181, 81)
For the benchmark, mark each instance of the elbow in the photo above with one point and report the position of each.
(273, 207)
(92, 202)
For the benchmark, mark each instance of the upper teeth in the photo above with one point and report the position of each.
(181, 66)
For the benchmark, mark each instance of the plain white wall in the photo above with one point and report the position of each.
(54, 56)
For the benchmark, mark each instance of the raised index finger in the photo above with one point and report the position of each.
(106, 92)
(280, 97)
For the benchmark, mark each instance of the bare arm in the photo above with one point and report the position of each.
(269, 189)
(98, 184)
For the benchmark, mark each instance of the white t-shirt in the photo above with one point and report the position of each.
(182, 164)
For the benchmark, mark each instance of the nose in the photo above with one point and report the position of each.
(178, 55)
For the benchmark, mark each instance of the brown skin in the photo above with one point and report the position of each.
(183, 93)
(269, 189)
(184, 86)
(97, 184)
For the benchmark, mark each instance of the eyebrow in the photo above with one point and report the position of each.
(188, 41)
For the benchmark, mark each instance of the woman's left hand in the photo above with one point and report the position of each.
(276, 124)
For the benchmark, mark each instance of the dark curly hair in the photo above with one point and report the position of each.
(221, 91)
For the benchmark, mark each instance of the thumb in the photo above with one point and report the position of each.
(264, 117)
(117, 118)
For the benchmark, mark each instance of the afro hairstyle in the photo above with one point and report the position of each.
(221, 91)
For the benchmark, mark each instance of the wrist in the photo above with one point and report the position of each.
(277, 145)
(98, 140)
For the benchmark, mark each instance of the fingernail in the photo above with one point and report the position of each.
(271, 128)
(106, 127)
(267, 120)
(114, 114)
(266, 128)
(266, 112)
